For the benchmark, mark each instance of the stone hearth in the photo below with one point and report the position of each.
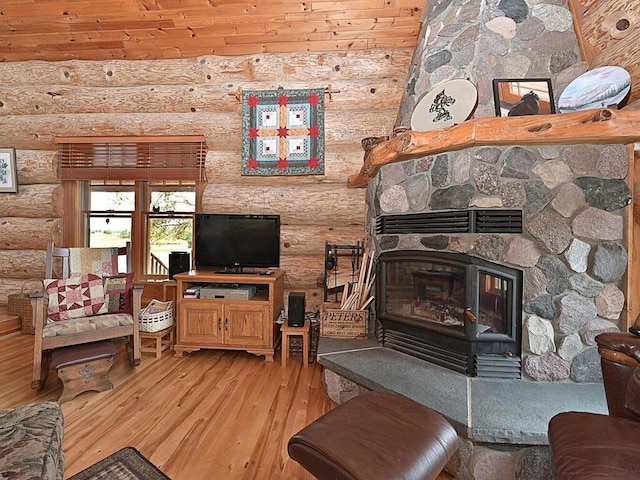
(484, 410)
(502, 423)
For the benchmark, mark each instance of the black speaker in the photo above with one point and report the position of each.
(296, 309)
(179, 262)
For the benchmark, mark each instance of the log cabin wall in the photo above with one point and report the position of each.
(40, 101)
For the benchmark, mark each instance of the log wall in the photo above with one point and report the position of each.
(40, 101)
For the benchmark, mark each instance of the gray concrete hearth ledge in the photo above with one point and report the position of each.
(484, 410)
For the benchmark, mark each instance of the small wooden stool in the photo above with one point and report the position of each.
(287, 332)
(82, 368)
(157, 342)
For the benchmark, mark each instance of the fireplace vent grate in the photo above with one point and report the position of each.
(428, 222)
(498, 221)
(453, 221)
(499, 366)
(426, 350)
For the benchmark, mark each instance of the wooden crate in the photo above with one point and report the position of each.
(336, 323)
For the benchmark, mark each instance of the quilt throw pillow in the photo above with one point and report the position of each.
(75, 297)
(117, 291)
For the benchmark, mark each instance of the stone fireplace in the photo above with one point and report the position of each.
(573, 198)
(570, 248)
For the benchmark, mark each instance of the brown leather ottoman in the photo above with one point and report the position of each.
(83, 368)
(375, 436)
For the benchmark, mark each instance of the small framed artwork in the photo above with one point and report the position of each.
(8, 171)
(523, 96)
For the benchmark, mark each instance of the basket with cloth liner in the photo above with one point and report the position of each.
(156, 316)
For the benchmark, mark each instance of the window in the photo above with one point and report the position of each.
(166, 211)
(108, 216)
(139, 190)
(169, 225)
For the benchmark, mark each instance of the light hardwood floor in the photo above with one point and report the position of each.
(209, 415)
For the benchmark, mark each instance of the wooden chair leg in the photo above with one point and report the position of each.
(132, 347)
(37, 382)
(137, 355)
(40, 369)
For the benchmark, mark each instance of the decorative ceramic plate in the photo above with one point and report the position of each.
(447, 104)
(597, 88)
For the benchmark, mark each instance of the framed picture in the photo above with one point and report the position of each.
(8, 171)
(523, 96)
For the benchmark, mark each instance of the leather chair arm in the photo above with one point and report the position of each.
(620, 354)
(624, 343)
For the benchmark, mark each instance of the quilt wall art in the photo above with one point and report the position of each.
(283, 132)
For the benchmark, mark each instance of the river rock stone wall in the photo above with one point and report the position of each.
(574, 198)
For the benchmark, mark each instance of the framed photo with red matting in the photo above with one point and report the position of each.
(283, 132)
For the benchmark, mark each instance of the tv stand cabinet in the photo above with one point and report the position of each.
(230, 324)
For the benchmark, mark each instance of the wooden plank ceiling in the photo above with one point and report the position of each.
(162, 29)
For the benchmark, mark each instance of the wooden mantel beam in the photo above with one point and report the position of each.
(601, 126)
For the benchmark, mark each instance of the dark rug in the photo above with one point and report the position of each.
(125, 464)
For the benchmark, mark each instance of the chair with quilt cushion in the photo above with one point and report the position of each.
(88, 302)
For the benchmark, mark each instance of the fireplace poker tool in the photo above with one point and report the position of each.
(332, 252)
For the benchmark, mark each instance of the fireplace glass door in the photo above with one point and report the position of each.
(454, 294)
(427, 292)
(494, 305)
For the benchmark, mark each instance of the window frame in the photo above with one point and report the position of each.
(76, 197)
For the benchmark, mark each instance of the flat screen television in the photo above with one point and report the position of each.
(231, 242)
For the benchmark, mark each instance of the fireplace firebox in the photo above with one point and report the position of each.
(455, 310)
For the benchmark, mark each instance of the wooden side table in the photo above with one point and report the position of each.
(157, 342)
(287, 332)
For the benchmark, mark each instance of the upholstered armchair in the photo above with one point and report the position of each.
(590, 446)
(88, 301)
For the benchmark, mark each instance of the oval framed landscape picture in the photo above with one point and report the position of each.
(449, 103)
(598, 88)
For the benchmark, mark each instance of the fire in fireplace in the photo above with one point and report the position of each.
(455, 310)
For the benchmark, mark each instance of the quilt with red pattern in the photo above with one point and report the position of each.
(283, 132)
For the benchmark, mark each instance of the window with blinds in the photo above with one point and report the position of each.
(131, 158)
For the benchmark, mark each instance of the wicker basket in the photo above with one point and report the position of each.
(156, 316)
(19, 304)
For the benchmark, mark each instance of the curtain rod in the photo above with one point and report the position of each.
(329, 90)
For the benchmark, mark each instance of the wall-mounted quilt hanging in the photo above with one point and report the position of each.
(283, 132)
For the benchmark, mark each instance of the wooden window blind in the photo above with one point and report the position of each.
(131, 158)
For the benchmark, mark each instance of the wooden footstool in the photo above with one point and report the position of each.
(157, 342)
(82, 368)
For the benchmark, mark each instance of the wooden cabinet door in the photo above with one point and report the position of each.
(200, 323)
(246, 324)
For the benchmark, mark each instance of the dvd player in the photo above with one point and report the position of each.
(240, 292)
